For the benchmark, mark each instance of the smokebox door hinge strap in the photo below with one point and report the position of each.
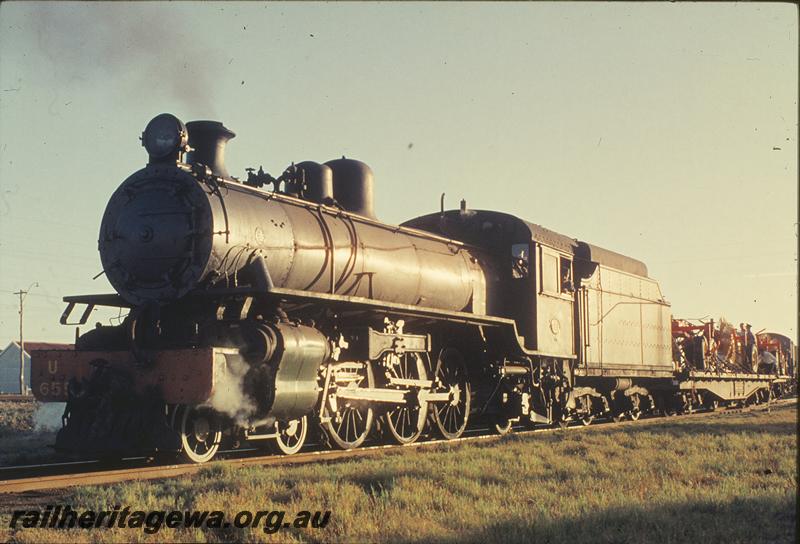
(212, 184)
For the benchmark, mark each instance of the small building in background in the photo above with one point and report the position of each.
(9, 365)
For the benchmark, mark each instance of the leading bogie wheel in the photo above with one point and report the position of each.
(200, 433)
(291, 435)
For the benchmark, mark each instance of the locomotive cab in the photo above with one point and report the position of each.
(555, 294)
(536, 285)
(540, 297)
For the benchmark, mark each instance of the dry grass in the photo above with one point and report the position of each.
(727, 478)
(16, 415)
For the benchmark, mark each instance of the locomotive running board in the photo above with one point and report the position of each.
(508, 326)
(395, 307)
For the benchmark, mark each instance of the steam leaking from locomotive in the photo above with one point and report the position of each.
(229, 396)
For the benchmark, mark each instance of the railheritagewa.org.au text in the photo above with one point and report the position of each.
(151, 522)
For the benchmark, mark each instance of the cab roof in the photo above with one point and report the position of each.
(475, 226)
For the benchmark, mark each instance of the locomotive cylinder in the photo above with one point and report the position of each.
(285, 385)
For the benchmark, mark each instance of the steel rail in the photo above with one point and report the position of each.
(61, 481)
(15, 397)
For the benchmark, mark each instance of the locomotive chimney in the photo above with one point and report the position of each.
(208, 139)
(353, 186)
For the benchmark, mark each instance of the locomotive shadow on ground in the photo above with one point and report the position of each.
(750, 520)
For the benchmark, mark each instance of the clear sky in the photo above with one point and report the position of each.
(666, 132)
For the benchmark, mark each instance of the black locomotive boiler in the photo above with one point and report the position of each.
(263, 308)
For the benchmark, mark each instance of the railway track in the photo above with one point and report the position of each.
(13, 397)
(150, 472)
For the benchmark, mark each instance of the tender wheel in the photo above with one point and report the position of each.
(688, 406)
(672, 406)
(200, 433)
(351, 423)
(635, 412)
(451, 376)
(291, 435)
(586, 405)
(502, 426)
(406, 422)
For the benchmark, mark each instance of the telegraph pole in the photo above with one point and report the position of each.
(22, 294)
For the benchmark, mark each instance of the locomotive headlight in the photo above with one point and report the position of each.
(165, 137)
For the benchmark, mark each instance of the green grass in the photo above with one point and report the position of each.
(724, 478)
(20, 441)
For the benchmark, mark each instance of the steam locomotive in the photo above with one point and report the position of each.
(266, 308)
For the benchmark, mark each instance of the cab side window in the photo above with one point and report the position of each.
(567, 285)
(549, 273)
(520, 261)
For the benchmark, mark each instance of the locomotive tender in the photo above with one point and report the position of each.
(260, 314)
